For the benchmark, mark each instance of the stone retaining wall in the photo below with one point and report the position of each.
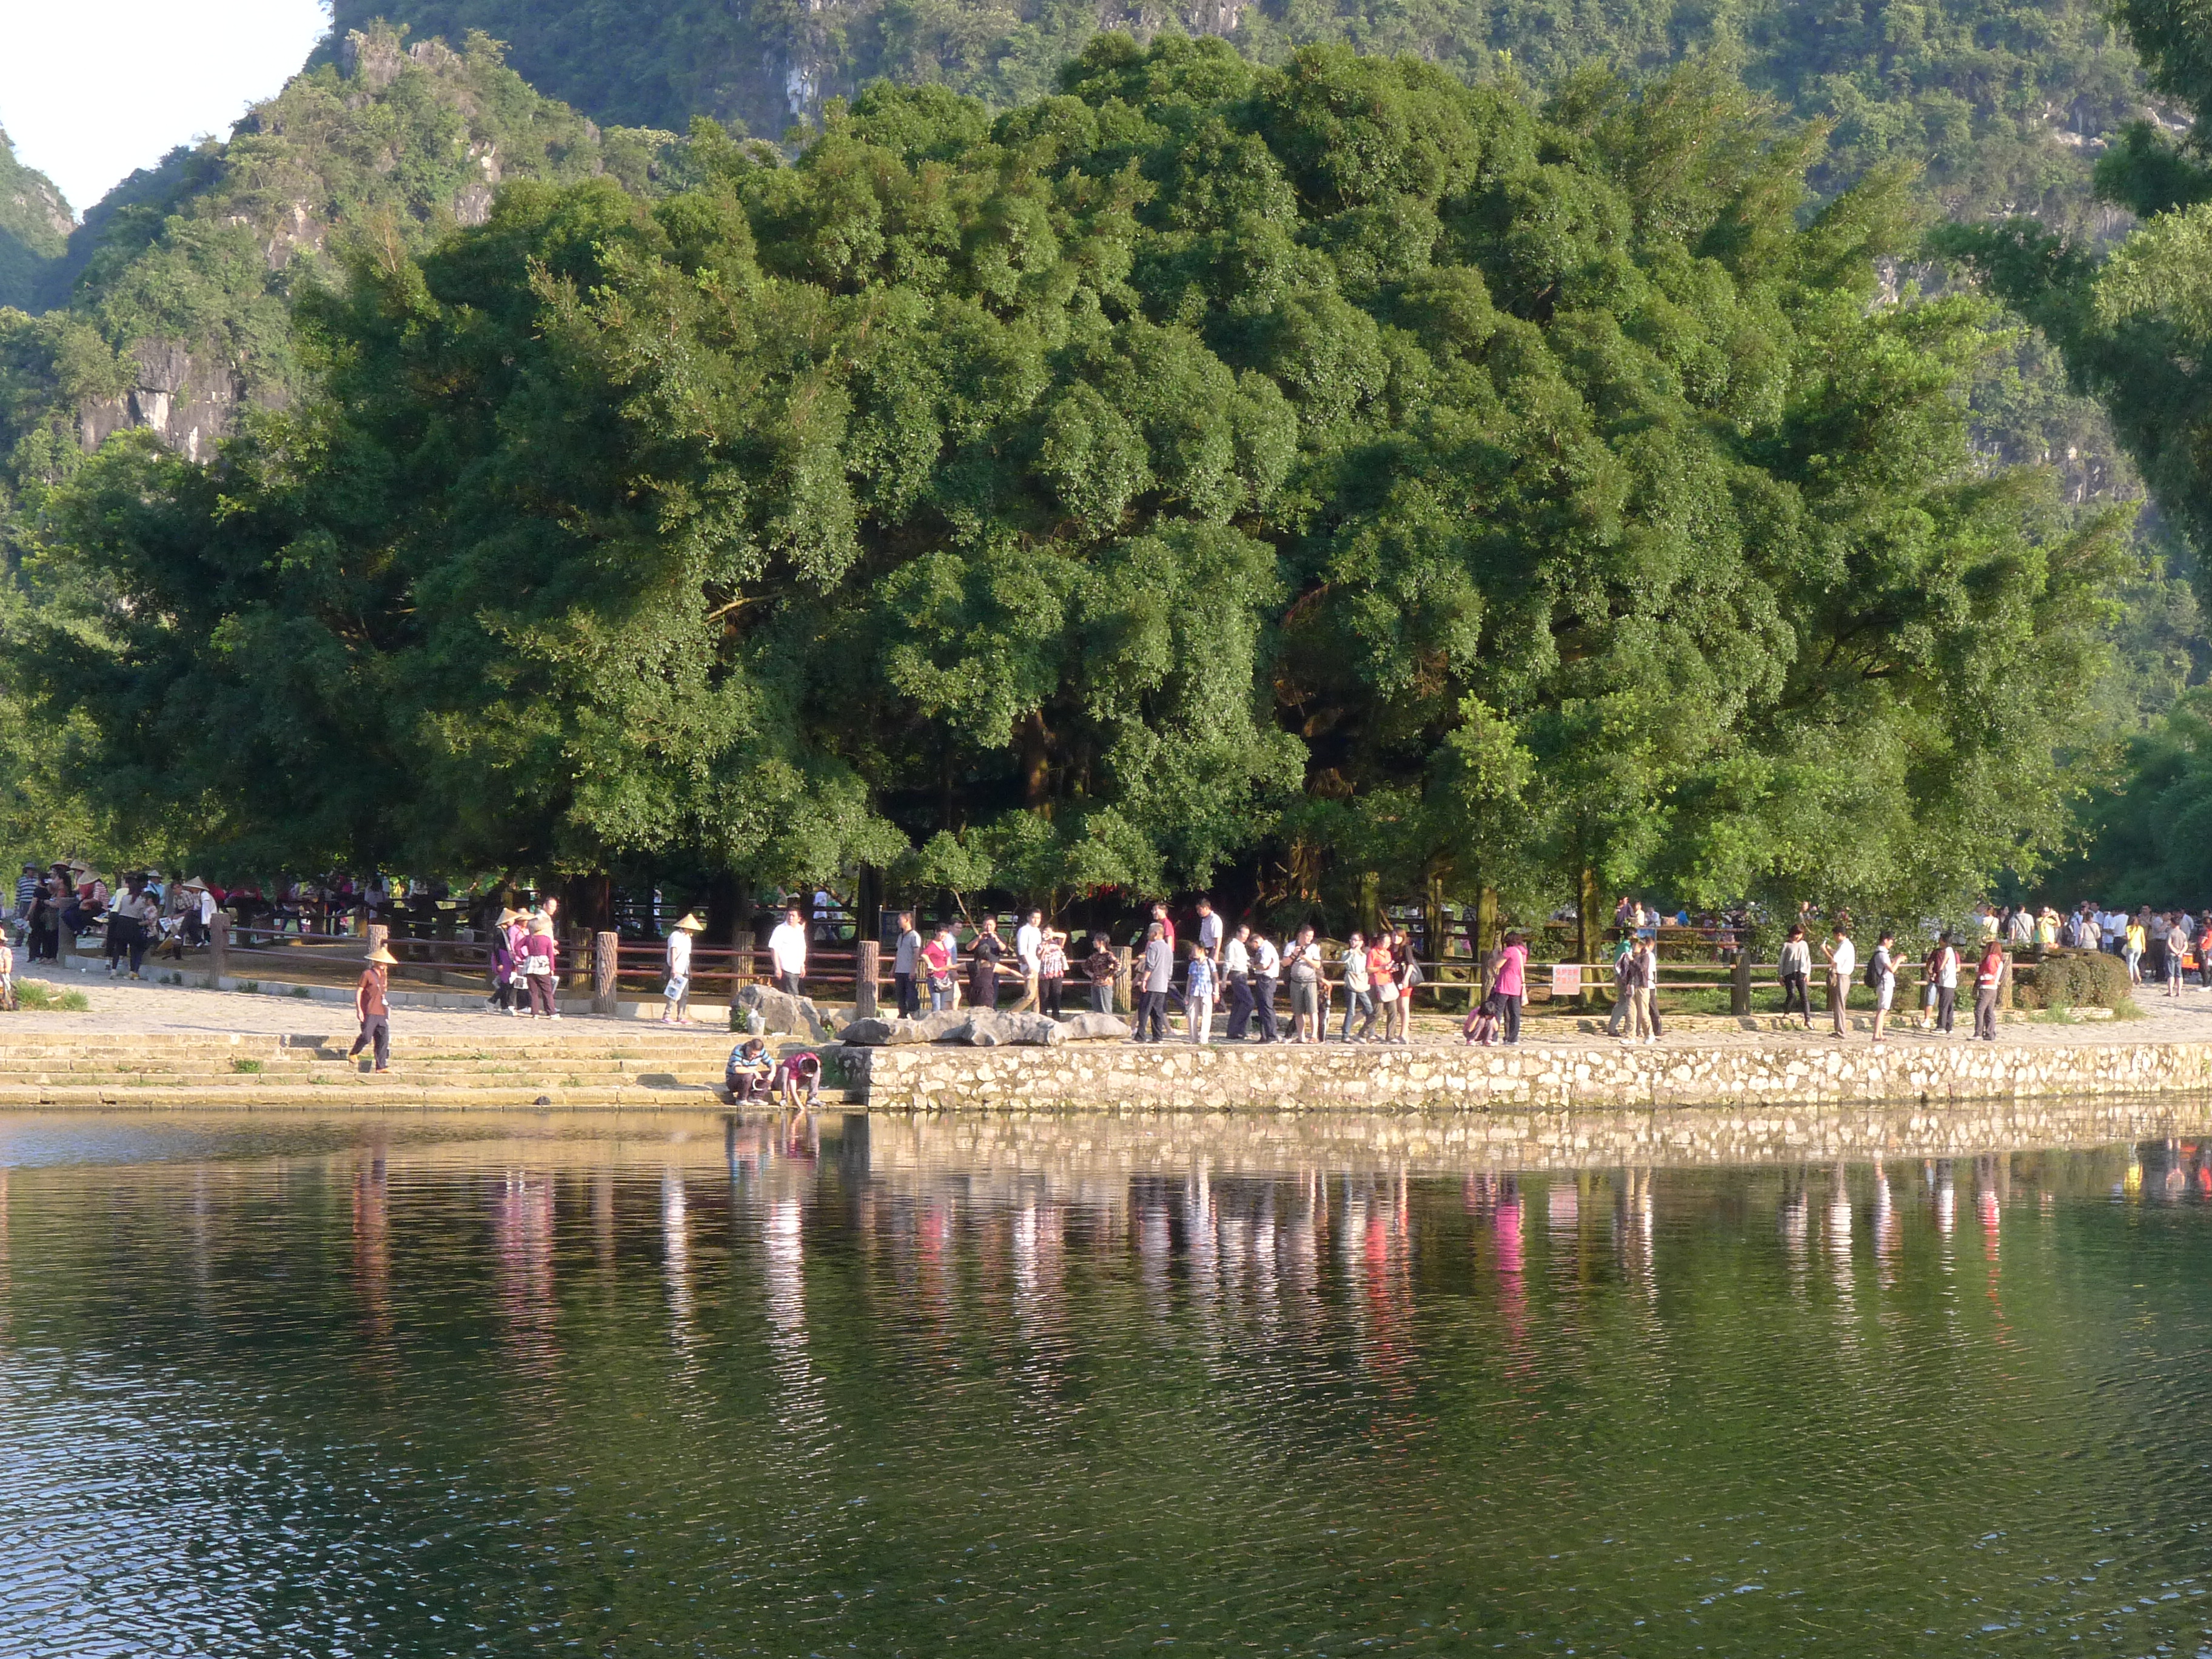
(1096, 1154)
(1176, 1077)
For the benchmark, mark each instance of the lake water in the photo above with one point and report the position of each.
(644, 1385)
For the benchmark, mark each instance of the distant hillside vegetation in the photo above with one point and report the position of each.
(35, 226)
(2004, 105)
(170, 305)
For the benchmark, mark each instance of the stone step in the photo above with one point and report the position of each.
(389, 1091)
(306, 1063)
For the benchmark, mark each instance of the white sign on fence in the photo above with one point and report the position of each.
(1566, 979)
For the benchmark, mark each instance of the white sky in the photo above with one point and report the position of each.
(91, 90)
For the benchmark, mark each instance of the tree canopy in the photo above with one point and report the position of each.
(1202, 473)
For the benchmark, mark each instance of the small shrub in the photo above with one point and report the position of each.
(249, 985)
(301, 991)
(246, 1066)
(2078, 979)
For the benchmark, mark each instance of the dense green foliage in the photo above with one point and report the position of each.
(1314, 472)
(2150, 835)
(2135, 327)
(1996, 109)
(35, 226)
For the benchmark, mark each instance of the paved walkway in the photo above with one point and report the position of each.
(121, 1007)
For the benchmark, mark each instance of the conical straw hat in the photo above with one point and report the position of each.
(691, 924)
(382, 955)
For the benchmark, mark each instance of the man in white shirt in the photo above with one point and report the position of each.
(787, 951)
(905, 964)
(1266, 963)
(1237, 970)
(1028, 939)
(1843, 962)
(1209, 931)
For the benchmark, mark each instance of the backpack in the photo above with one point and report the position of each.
(1873, 973)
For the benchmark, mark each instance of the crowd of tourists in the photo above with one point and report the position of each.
(150, 912)
(1242, 972)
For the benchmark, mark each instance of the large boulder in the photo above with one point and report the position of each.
(1084, 1027)
(987, 1028)
(886, 1033)
(780, 1013)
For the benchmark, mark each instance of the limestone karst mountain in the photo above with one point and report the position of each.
(169, 306)
(34, 227)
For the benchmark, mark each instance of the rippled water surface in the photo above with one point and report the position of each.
(659, 1385)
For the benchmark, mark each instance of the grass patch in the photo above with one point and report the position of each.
(250, 1067)
(301, 991)
(2057, 1013)
(249, 985)
(37, 995)
(2128, 1008)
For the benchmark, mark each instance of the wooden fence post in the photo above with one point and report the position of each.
(604, 984)
(1125, 999)
(218, 944)
(1739, 983)
(867, 958)
(2004, 982)
(741, 959)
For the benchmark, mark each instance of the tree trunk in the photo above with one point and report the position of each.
(1370, 904)
(1037, 760)
(868, 905)
(588, 906)
(727, 910)
(1485, 925)
(1433, 923)
(1589, 931)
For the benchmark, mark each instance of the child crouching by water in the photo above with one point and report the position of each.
(800, 1075)
(1482, 1022)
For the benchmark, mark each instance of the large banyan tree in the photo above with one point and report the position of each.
(1308, 481)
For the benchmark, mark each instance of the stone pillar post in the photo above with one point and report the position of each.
(218, 944)
(380, 937)
(605, 947)
(1125, 999)
(866, 959)
(741, 960)
(1739, 984)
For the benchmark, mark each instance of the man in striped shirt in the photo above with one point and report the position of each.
(26, 891)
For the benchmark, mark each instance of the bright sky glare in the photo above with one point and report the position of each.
(91, 90)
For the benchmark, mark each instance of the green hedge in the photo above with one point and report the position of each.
(2083, 979)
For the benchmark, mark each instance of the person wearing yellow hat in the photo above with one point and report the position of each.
(370, 1004)
(675, 998)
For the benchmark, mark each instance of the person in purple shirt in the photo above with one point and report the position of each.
(1509, 979)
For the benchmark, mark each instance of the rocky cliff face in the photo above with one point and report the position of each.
(189, 400)
(34, 227)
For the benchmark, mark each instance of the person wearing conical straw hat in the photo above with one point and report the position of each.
(370, 1004)
(676, 998)
(507, 937)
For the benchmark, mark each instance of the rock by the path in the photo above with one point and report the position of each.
(887, 1033)
(987, 1028)
(1082, 1027)
(780, 1012)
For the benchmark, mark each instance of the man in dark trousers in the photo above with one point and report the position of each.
(369, 1003)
